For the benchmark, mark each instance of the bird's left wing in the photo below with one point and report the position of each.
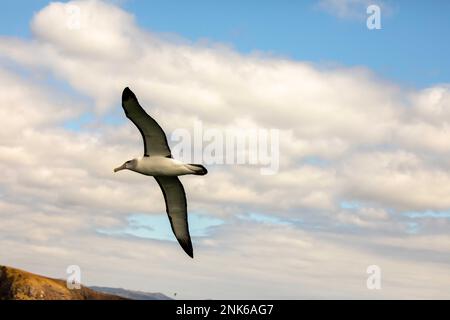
(176, 208)
(155, 141)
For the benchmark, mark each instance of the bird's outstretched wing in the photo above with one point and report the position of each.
(176, 208)
(155, 141)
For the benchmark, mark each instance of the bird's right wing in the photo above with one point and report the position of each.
(155, 141)
(176, 208)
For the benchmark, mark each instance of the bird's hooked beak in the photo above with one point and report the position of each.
(122, 167)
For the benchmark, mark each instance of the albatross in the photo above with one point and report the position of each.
(158, 162)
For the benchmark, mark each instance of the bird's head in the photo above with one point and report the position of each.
(130, 165)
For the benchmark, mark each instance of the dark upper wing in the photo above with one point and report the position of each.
(176, 208)
(155, 141)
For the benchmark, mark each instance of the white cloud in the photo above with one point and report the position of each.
(346, 136)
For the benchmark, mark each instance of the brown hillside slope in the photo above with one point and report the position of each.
(16, 284)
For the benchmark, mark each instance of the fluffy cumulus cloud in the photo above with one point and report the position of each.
(363, 177)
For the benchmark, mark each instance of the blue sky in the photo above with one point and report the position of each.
(410, 49)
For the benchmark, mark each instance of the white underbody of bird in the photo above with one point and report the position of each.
(161, 166)
(158, 163)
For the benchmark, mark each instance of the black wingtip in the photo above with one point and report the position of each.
(190, 251)
(127, 94)
(187, 247)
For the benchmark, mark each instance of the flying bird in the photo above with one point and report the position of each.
(157, 162)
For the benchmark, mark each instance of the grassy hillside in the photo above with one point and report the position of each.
(16, 284)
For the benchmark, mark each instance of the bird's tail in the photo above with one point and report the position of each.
(198, 169)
